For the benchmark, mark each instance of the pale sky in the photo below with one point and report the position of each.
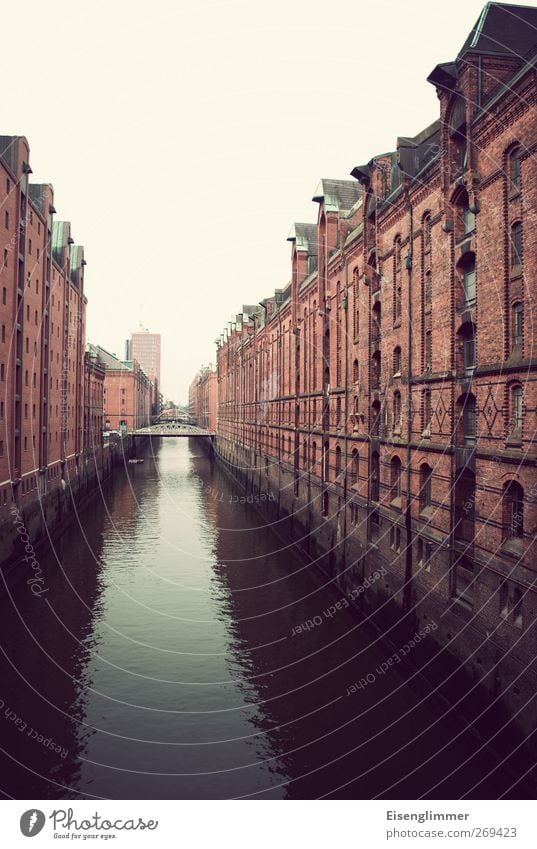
(184, 139)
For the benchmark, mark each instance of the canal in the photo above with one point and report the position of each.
(179, 651)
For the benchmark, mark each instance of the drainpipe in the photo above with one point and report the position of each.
(407, 593)
(345, 305)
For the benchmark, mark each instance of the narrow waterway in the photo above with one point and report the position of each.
(166, 660)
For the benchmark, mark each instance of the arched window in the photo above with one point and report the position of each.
(375, 370)
(513, 511)
(313, 456)
(516, 244)
(398, 301)
(355, 372)
(326, 461)
(465, 223)
(427, 230)
(514, 170)
(425, 496)
(397, 411)
(377, 316)
(397, 253)
(338, 461)
(396, 361)
(517, 321)
(354, 467)
(375, 473)
(428, 288)
(338, 412)
(395, 478)
(375, 418)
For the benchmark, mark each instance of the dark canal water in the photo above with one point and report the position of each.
(161, 663)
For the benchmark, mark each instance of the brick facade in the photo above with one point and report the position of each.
(202, 400)
(388, 393)
(42, 343)
(128, 393)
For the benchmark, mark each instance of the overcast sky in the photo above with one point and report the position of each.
(184, 139)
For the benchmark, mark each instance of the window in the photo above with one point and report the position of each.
(469, 282)
(396, 411)
(375, 376)
(518, 322)
(426, 231)
(313, 455)
(516, 411)
(517, 607)
(395, 479)
(516, 244)
(468, 347)
(469, 419)
(6, 220)
(355, 371)
(375, 474)
(396, 361)
(395, 538)
(338, 463)
(425, 496)
(428, 350)
(428, 288)
(468, 219)
(375, 418)
(354, 467)
(514, 170)
(1, 447)
(398, 302)
(6, 254)
(464, 582)
(513, 511)
(427, 412)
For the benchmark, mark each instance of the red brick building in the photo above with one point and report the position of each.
(388, 393)
(42, 318)
(202, 400)
(128, 393)
(94, 374)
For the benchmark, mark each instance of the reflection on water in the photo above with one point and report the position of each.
(161, 663)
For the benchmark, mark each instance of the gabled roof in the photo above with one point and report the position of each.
(415, 152)
(305, 238)
(110, 361)
(503, 29)
(338, 195)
